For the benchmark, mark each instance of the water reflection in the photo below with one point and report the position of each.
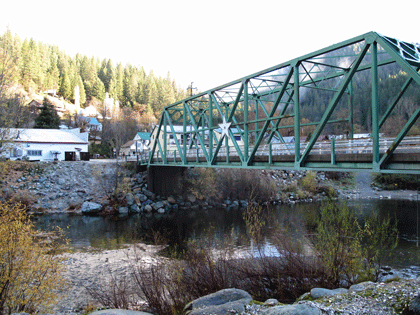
(177, 229)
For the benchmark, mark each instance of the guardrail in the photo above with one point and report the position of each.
(351, 146)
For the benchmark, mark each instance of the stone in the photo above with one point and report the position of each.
(89, 207)
(271, 302)
(148, 208)
(122, 210)
(223, 302)
(191, 198)
(134, 208)
(171, 200)
(294, 309)
(129, 198)
(317, 293)
(414, 307)
(119, 312)
(157, 205)
(161, 210)
(148, 193)
(360, 286)
(227, 202)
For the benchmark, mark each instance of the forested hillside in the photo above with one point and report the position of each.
(38, 67)
(391, 80)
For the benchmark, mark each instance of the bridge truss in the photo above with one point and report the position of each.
(255, 121)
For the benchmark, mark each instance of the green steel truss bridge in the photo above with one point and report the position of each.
(255, 121)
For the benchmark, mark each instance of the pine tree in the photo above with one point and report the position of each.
(82, 92)
(65, 87)
(98, 89)
(48, 117)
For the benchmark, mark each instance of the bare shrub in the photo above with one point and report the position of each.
(154, 284)
(288, 269)
(202, 183)
(115, 293)
(241, 183)
(24, 198)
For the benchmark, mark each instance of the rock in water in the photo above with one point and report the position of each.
(89, 207)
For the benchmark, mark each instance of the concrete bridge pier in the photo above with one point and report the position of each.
(165, 180)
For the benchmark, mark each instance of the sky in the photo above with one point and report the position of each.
(209, 43)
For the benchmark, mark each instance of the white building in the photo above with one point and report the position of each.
(45, 145)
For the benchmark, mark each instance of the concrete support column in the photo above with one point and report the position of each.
(164, 180)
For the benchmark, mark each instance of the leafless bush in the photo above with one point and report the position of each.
(115, 293)
(155, 285)
(241, 183)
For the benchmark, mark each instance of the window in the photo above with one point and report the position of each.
(34, 152)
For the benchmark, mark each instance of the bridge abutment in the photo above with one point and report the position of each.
(164, 180)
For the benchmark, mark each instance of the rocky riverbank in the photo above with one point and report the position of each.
(86, 187)
(98, 186)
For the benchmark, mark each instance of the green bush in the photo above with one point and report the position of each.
(396, 181)
(30, 276)
(348, 250)
(103, 149)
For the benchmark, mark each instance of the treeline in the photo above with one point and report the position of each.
(39, 67)
(391, 79)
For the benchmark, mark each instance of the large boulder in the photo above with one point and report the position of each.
(89, 207)
(294, 309)
(226, 301)
(118, 312)
(318, 293)
(414, 307)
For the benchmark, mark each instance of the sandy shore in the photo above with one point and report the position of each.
(94, 269)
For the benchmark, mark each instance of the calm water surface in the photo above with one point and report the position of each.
(221, 225)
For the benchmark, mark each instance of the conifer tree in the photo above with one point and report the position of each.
(65, 86)
(48, 117)
(82, 92)
(98, 89)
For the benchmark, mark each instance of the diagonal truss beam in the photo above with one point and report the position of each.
(333, 103)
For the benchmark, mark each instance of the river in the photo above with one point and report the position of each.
(87, 232)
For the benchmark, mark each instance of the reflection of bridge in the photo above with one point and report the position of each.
(266, 106)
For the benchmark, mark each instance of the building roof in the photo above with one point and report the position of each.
(45, 136)
(144, 135)
(91, 120)
(128, 144)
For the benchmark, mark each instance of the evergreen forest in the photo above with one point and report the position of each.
(39, 67)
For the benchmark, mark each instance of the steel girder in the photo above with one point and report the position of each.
(242, 123)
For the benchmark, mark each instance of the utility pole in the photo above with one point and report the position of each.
(191, 89)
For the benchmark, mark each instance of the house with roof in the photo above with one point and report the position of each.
(142, 140)
(92, 124)
(139, 144)
(45, 145)
(128, 149)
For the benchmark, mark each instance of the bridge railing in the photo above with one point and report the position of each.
(347, 146)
